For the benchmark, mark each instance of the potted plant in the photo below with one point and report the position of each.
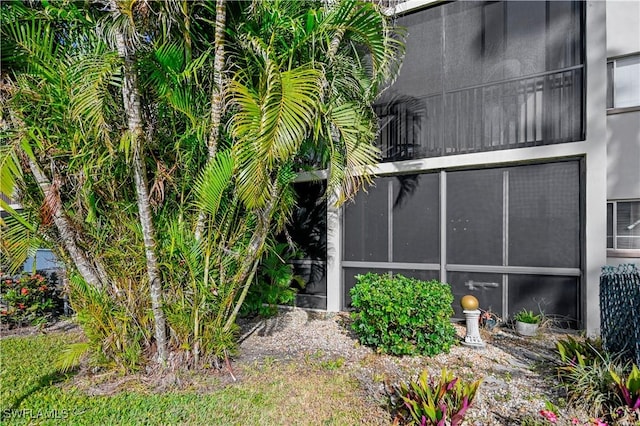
(527, 322)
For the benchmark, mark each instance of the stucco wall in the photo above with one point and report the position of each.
(623, 31)
(615, 261)
(623, 129)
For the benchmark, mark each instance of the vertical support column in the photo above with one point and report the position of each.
(390, 220)
(505, 242)
(443, 226)
(334, 255)
(595, 226)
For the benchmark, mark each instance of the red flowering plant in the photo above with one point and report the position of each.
(29, 299)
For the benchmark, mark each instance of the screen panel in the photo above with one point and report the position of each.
(308, 230)
(421, 74)
(308, 227)
(418, 274)
(416, 215)
(474, 217)
(349, 280)
(366, 224)
(314, 274)
(481, 76)
(463, 44)
(487, 288)
(556, 297)
(544, 215)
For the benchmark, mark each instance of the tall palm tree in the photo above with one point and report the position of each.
(36, 99)
(125, 35)
(307, 74)
(129, 138)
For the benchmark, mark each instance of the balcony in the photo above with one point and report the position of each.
(540, 109)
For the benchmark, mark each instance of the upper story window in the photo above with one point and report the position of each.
(481, 76)
(623, 227)
(623, 82)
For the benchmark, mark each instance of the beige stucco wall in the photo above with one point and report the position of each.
(623, 27)
(623, 128)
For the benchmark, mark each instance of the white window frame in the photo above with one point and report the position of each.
(611, 78)
(615, 251)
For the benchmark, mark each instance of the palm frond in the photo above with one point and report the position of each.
(10, 170)
(19, 240)
(286, 177)
(214, 180)
(362, 24)
(90, 97)
(172, 77)
(271, 123)
(71, 356)
(352, 159)
(288, 111)
(34, 38)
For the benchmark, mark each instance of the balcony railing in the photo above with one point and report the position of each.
(541, 109)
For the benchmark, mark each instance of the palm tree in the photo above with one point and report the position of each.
(149, 163)
(308, 74)
(124, 32)
(43, 74)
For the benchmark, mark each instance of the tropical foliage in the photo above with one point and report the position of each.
(276, 283)
(30, 299)
(435, 401)
(153, 146)
(600, 383)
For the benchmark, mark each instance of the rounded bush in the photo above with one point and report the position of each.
(30, 299)
(403, 316)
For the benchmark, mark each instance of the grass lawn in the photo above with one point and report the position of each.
(32, 391)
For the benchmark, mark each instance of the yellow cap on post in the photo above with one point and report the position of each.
(469, 303)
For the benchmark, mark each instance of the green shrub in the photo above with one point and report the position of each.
(573, 351)
(403, 316)
(273, 285)
(428, 401)
(114, 333)
(30, 299)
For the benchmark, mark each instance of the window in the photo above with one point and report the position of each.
(623, 225)
(623, 86)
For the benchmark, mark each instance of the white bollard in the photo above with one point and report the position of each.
(473, 330)
(472, 314)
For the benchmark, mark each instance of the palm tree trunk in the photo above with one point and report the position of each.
(251, 260)
(88, 272)
(131, 99)
(94, 276)
(217, 103)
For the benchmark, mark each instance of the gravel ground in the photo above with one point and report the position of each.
(516, 379)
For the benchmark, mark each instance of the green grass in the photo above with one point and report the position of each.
(32, 391)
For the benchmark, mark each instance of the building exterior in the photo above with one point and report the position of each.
(41, 259)
(623, 132)
(511, 154)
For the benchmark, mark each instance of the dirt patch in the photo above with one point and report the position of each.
(60, 326)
